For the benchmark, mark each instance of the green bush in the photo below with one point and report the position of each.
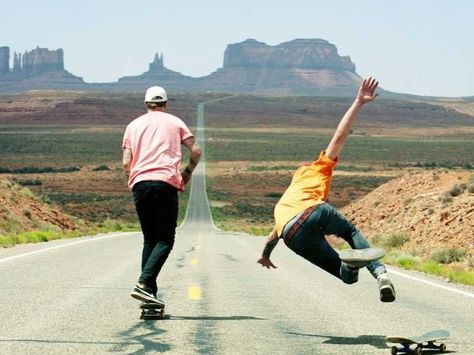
(448, 255)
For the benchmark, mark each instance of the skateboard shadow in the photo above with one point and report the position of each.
(215, 318)
(377, 341)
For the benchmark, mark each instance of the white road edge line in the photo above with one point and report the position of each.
(92, 239)
(431, 283)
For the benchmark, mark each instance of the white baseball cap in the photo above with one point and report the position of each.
(156, 94)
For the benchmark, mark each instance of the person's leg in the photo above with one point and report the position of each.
(335, 223)
(160, 233)
(157, 208)
(310, 243)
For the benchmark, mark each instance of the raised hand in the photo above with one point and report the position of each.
(367, 90)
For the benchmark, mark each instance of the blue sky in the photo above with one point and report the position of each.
(422, 47)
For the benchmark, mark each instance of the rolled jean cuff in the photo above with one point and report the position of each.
(378, 270)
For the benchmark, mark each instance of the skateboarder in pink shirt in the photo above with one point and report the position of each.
(151, 159)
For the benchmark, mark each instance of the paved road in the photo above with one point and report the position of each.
(73, 297)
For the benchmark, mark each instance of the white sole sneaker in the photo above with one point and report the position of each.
(361, 257)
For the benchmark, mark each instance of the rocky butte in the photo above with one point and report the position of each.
(39, 68)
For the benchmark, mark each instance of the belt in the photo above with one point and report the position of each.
(297, 224)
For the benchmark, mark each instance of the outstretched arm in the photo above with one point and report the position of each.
(271, 243)
(194, 156)
(366, 94)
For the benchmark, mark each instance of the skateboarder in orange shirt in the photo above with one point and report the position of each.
(303, 217)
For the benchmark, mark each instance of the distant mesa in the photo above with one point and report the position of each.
(39, 68)
(299, 67)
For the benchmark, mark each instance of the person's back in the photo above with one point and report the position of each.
(155, 138)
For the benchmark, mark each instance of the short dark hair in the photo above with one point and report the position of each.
(153, 105)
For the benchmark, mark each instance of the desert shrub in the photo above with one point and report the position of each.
(456, 190)
(102, 167)
(448, 255)
(446, 199)
(29, 182)
(470, 188)
(390, 241)
(27, 213)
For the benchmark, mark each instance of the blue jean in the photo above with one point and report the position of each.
(156, 204)
(309, 242)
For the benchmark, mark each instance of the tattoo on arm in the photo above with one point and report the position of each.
(271, 244)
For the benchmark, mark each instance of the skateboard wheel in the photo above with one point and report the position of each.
(393, 350)
(418, 350)
(442, 347)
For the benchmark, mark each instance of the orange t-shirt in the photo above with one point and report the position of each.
(310, 186)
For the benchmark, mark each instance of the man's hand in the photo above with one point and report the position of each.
(186, 174)
(367, 91)
(266, 262)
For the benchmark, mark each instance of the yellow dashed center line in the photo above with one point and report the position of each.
(194, 293)
(194, 261)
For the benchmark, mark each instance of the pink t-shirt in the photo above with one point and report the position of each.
(155, 140)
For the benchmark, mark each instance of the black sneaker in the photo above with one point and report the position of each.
(387, 291)
(358, 258)
(145, 295)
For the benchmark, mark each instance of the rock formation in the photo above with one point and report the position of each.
(157, 74)
(316, 54)
(300, 67)
(4, 60)
(39, 68)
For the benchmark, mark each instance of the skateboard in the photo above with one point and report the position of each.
(152, 311)
(425, 341)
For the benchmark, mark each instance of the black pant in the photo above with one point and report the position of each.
(156, 203)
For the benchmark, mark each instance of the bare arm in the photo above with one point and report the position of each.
(127, 160)
(366, 94)
(194, 157)
(271, 243)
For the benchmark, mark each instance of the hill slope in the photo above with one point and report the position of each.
(422, 206)
(21, 211)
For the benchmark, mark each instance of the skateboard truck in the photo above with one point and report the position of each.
(152, 311)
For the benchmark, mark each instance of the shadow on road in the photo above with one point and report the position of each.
(215, 318)
(377, 341)
(144, 334)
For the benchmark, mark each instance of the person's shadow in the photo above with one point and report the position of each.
(377, 341)
(148, 341)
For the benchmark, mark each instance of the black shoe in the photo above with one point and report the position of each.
(145, 295)
(387, 291)
(358, 258)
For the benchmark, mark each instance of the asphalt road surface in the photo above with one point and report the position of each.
(72, 296)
